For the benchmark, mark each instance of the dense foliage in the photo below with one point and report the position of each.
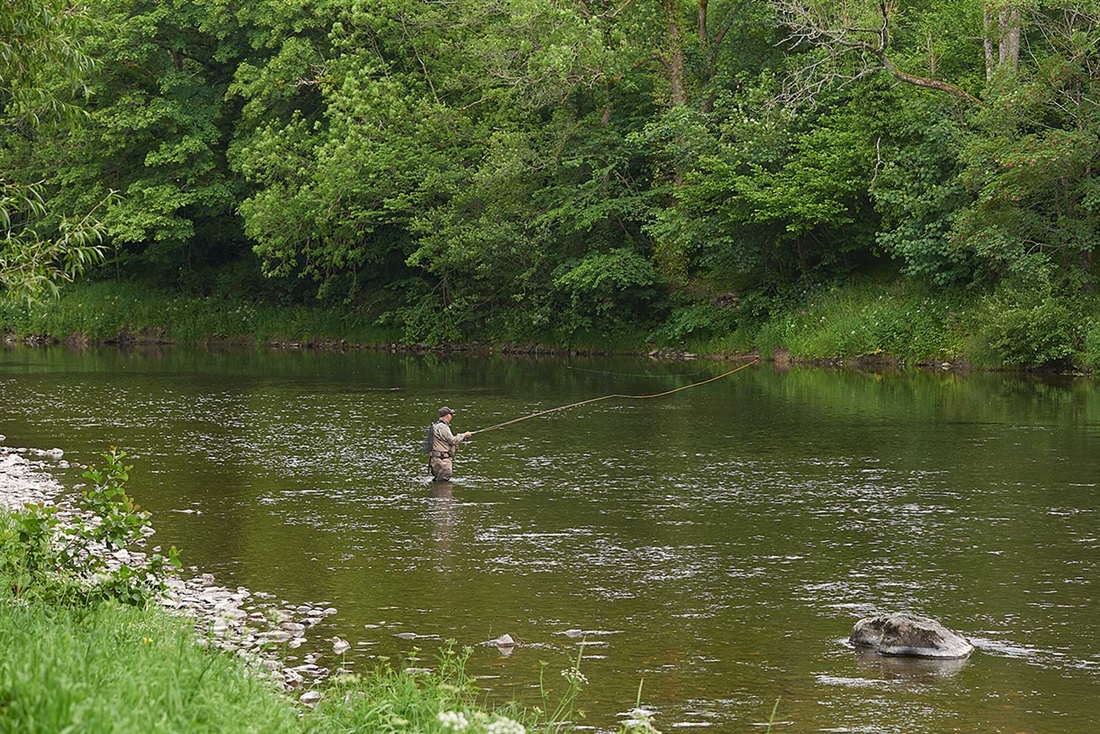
(42, 64)
(520, 169)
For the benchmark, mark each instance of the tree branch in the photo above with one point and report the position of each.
(844, 34)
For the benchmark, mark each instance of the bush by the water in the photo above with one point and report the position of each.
(1036, 326)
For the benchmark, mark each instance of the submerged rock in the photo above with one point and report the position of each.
(909, 634)
(908, 667)
(503, 641)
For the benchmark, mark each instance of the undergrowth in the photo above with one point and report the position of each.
(1031, 326)
(108, 310)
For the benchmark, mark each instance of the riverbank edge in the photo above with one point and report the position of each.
(238, 621)
(780, 359)
(343, 700)
(865, 325)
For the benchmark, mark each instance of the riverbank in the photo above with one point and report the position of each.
(864, 323)
(200, 658)
(250, 625)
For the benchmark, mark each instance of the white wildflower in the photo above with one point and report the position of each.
(453, 720)
(574, 676)
(504, 725)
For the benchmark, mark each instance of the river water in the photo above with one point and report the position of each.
(715, 546)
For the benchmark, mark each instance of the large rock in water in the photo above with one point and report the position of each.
(909, 634)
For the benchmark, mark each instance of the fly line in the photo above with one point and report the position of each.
(619, 396)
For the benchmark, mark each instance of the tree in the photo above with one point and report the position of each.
(158, 128)
(42, 61)
(460, 157)
(854, 40)
(1004, 185)
(1032, 160)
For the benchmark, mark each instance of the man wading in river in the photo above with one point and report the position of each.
(441, 445)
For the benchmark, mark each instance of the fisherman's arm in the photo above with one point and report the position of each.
(456, 440)
(451, 439)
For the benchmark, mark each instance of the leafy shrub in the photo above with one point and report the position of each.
(695, 322)
(45, 557)
(1091, 356)
(428, 320)
(605, 289)
(1043, 334)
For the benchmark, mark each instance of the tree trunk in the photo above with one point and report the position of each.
(708, 51)
(1002, 28)
(1009, 37)
(676, 63)
(990, 61)
(1014, 39)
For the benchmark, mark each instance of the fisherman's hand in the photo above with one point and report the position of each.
(468, 434)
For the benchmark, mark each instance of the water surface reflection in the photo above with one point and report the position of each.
(716, 544)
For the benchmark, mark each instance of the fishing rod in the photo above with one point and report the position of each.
(622, 397)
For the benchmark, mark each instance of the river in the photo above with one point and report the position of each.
(715, 545)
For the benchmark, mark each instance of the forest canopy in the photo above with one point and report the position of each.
(551, 167)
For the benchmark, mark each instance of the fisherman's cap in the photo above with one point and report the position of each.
(446, 411)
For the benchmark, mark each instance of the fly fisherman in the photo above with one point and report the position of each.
(443, 445)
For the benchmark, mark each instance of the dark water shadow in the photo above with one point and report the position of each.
(898, 667)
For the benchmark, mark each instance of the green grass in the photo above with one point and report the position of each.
(120, 669)
(102, 311)
(111, 668)
(70, 665)
(902, 321)
(114, 668)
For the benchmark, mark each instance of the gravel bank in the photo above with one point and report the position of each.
(250, 624)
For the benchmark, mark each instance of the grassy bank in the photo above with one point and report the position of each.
(901, 321)
(109, 667)
(109, 310)
(889, 320)
(910, 323)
